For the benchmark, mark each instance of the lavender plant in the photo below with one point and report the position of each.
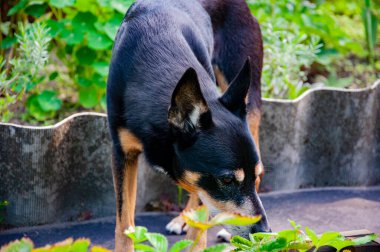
(287, 56)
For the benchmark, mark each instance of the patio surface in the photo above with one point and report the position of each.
(338, 209)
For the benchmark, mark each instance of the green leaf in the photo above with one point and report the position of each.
(83, 82)
(327, 237)
(101, 68)
(312, 235)
(140, 233)
(143, 248)
(111, 26)
(299, 245)
(294, 224)
(8, 42)
(99, 81)
(159, 242)
(370, 25)
(180, 245)
(104, 3)
(121, 5)
(20, 6)
(49, 101)
(364, 239)
(55, 27)
(339, 244)
(216, 248)
(36, 10)
(85, 56)
(53, 76)
(35, 110)
(62, 3)
(4, 28)
(84, 21)
(197, 218)
(80, 245)
(234, 219)
(262, 236)
(23, 245)
(71, 37)
(277, 244)
(289, 235)
(241, 242)
(98, 41)
(88, 97)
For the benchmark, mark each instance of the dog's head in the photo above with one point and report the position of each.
(216, 155)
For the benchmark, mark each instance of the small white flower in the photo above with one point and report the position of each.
(130, 230)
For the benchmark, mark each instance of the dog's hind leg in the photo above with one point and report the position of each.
(253, 118)
(126, 151)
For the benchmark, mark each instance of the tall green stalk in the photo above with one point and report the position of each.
(370, 25)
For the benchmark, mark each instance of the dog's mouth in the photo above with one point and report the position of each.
(216, 207)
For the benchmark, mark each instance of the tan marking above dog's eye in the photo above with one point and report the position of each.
(239, 175)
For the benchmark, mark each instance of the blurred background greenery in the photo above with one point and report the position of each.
(54, 54)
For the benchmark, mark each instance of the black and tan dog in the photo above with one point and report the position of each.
(168, 59)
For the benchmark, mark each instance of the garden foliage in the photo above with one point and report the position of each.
(144, 241)
(307, 43)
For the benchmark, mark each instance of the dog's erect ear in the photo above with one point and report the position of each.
(188, 111)
(234, 97)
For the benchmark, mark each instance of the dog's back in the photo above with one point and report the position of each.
(156, 43)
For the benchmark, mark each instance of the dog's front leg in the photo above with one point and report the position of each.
(125, 180)
(193, 233)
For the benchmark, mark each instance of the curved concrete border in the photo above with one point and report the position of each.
(327, 137)
(63, 172)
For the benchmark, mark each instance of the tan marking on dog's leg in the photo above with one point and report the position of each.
(220, 79)
(132, 148)
(193, 233)
(254, 118)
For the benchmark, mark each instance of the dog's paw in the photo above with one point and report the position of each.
(176, 226)
(223, 236)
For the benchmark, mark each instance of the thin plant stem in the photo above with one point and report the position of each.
(197, 239)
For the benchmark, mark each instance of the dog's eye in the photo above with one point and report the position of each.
(227, 179)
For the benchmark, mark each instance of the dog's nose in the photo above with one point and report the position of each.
(261, 227)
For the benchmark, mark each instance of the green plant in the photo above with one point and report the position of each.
(82, 35)
(68, 245)
(197, 218)
(370, 24)
(159, 243)
(296, 239)
(144, 241)
(24, 73)
(288, 56)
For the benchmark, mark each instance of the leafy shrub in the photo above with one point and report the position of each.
(286, 53)
(27, 72)
(82, 33)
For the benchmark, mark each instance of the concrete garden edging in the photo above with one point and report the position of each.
(326, 137)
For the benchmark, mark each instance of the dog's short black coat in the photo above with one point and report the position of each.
(165, 47)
